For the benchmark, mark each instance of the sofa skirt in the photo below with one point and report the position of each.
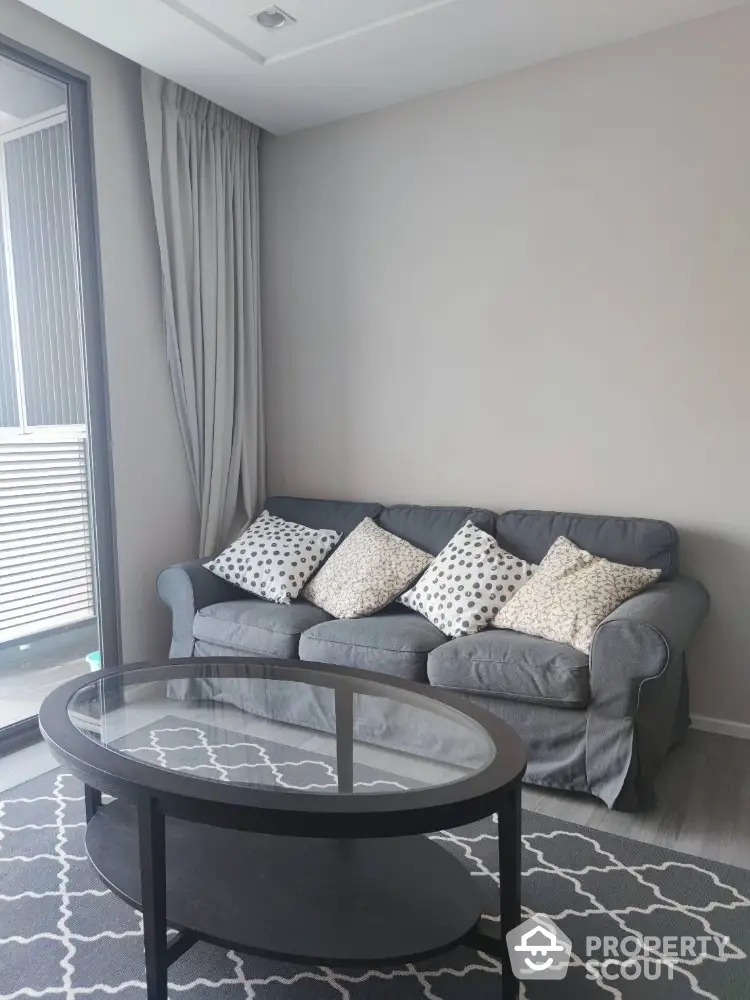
(575, 750)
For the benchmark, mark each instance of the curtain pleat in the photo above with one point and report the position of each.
(203, 162)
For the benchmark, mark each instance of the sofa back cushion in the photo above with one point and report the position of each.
(431, 528)
(634, 541)
(338, 515)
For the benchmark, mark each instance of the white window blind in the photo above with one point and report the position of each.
(46, 573)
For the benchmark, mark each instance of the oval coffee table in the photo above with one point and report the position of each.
(233, 826)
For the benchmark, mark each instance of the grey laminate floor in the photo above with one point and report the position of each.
(703, 807)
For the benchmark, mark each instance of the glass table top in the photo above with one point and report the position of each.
(295, 728)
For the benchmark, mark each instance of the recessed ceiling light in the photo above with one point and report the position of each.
(273, 18)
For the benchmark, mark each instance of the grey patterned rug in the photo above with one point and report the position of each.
(63, 935)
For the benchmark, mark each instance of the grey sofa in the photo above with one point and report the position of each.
(600, 724)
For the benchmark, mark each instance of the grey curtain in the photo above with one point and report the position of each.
(203, 163)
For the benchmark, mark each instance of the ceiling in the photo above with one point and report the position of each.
(343, 57)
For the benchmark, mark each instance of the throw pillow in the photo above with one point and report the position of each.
(571, 594)
(368, 571)
(468, 582)
(274, 558)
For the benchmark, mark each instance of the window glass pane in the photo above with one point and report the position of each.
(44, 255)
(8, 398)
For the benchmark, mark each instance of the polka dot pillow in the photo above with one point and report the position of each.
(468, 583)
(274, 558)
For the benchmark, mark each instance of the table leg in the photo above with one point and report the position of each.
(93, 799)
(509, 844)
(344, 704)
(152, 856)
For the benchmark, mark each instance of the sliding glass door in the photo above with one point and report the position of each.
(50, 494)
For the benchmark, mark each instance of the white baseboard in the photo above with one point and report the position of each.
(726, 727)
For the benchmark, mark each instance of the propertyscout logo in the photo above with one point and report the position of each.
(652, 957)
(538, 949)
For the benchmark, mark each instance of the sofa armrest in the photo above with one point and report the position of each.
(639, 640)
(185, 589)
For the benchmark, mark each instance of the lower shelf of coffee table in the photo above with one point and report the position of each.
(294, 898)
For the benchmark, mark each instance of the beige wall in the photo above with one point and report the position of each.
(533, 291)
(156, 522)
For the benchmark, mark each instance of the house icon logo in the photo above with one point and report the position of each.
(539, 949)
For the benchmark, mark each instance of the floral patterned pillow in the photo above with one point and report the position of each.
(274, 558)
(366, 573)
(571, 594)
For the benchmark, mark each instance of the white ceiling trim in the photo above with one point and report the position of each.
(215, 30)
(340, 60)
(343, 36)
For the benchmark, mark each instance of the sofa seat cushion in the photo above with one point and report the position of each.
(257, 627)
(395, 641)
(505, 664)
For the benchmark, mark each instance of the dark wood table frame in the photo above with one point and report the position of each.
(158, 794)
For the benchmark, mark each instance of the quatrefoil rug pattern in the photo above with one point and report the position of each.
(63, 935)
